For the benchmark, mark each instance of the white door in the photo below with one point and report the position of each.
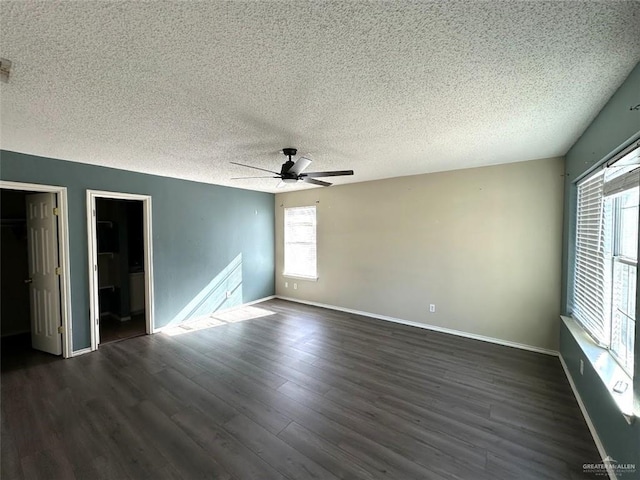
(44, 288)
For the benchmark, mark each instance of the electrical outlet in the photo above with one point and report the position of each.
(295, 286)
(286, 284)
(432, 308)
(581, 367)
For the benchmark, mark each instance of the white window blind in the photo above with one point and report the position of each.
(606, 260)
(623, 181)
(589, 282)
(300, 242)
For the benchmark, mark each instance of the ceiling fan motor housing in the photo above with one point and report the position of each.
(286, 166)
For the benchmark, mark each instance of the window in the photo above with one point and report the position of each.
(606, 260)
(625, 267)
(300, 242)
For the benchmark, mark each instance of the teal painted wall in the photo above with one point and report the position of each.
(620, 440)
(615, 127)
(199, 231)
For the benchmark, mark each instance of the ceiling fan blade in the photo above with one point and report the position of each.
(316, 182)
(256, 168)
(243, 178)
(335, 173)
(300, 165)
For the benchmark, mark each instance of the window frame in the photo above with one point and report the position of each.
(617, 258)
(292, 273)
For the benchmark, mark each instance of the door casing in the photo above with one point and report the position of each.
(63, 255)
(92, 237)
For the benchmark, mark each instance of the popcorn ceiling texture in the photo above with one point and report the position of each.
(386, 88)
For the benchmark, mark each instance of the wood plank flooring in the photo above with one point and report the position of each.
(302, 393)
(112, 329)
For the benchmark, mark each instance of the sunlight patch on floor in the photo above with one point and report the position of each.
(218, 319)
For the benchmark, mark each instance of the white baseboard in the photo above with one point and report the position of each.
(426, 326)
(585, 414)
(270, 297)
(223, 310)
(82, 351)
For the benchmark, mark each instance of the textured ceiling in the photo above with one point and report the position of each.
(384, 88)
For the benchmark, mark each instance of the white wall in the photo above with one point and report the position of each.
(482, 244)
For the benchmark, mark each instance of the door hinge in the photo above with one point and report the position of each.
(60, 329)
(56, 211)
(94, 212)
(95, 268)
(58, 270)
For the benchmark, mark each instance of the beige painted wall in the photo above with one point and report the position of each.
(482, 244)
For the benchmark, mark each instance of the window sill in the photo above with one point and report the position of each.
(300, 277)
(607, 369)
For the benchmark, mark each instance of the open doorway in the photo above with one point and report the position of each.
(35, 311)
(120, 259)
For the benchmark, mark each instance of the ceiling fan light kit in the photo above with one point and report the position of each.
(293, 172)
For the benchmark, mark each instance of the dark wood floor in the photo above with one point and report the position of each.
(303, 393)
(113, 330)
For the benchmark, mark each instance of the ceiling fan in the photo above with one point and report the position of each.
(292, 172)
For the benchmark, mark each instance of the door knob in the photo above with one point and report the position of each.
(29, 280)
